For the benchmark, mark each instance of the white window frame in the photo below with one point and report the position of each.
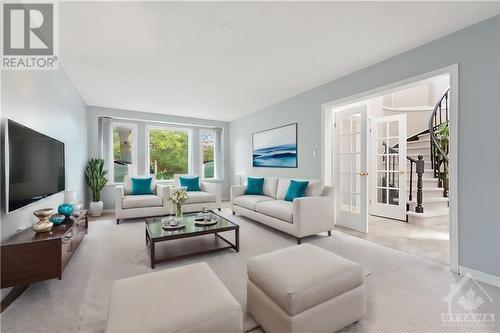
(202, 173)
(133, 168)
(169, 127)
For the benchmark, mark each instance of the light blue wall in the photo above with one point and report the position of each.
(46, 101)
(477, 51)
(142, 118)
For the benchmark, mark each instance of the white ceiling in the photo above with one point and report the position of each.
(225, 60)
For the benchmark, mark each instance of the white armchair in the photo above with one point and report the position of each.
(210, 195)
(128, 205)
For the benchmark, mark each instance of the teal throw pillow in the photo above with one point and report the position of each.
(141, 186)
(296, 189)
(191, 183)
(255, 186)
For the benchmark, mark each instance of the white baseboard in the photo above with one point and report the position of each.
(492, 280)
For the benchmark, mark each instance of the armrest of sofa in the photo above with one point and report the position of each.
(313, 214)
(163, 191)
(215, 189)
(119, 194)
(237, 191)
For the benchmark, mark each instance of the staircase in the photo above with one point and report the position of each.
(429, 150)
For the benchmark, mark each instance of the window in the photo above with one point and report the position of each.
(207, 139)
(168, 151)
(124, 156)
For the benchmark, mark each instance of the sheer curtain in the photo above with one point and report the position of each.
(105, 140)
(219, 154)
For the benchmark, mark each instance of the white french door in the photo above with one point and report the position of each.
(351, 142)
(388, 167)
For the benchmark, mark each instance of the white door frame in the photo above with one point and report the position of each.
(327, 145)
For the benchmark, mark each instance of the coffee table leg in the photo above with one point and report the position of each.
(237, 238)
(152, 253)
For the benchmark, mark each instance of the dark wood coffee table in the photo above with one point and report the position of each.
(189, 241)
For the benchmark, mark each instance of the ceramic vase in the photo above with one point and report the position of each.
(43, 223)
(96, 208)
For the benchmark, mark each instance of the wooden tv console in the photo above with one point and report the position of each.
(29, 257)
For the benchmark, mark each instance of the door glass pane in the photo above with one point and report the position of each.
(381, 149)
(382, 179)
(356, 123)
(393, 179)
(345, 144)
(393, 144)
(381, 162)
(356, 162)
(356, 181)
(207, 139)
(382, 195)
(394, 128)
(345, 201)
(345, 162)
(394, 197)
(345, 126)
(345, 182)
(393, 162)
(382, 130)
(356, 204)
(356, 143)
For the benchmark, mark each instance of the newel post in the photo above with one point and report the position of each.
(419, 168)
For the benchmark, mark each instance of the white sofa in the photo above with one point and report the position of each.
(129, 206)
(305, 216)
(210, 196)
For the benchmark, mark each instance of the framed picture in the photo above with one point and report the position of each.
(275, 147)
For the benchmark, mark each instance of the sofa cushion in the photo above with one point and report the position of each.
(191, 183)
(199, 197)
(270, 186)
(255, 186)
(138, 201)
(141, 186)
(300, 277)
(189, 298)
(249, 201)
(296, 189)
(279, 209)
(314, 189)
(127, 183)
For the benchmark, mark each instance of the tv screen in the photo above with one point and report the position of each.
(35, 166)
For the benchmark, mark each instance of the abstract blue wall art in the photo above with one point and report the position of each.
(275, 148)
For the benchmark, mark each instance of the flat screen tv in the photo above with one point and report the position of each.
(34, 166)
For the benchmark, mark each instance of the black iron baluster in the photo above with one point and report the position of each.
(420, 171)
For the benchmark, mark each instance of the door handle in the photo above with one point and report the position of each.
(401, 172)
(363, 173)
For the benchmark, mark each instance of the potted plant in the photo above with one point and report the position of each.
(95, 175)
(178, 197)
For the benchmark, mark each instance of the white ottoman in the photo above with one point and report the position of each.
(184, 299)
(304, 289)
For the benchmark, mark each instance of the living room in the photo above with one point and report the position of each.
(172, 166)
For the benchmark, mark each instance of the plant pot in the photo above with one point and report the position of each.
(96, 208)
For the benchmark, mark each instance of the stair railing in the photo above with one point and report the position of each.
(419, 171)
(439, 154)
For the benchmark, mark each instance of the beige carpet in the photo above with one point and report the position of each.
(404, 292)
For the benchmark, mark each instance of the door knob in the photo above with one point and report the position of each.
(401, 172)
(363, 173)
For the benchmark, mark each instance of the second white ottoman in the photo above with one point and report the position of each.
(183, 299)
(304, 288)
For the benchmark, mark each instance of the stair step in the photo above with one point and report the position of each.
(430, 192)
(421, 140)
(430, 203)
(424, 136)
(430, 217)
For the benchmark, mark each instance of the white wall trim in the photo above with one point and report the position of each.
(487, 278)
(326, 130)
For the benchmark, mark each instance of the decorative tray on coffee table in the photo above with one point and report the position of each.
(167, 226)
